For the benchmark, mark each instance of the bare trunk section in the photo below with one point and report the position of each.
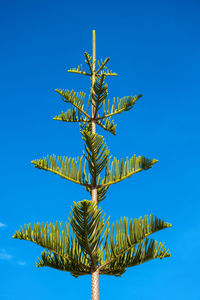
(95, 275)
(95, 285)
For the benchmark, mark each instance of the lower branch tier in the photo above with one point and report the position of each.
(87, 243)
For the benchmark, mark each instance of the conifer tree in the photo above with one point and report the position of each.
(87, 244)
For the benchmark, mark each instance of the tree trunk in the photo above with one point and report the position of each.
(95, 285)
(95, 275)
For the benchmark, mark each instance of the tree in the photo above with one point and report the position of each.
(87, 244)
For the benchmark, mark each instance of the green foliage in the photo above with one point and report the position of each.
(88, 62)
(68, 168)
(59, 262)
(96, 152)
(103, 70)
(88, 227)
(125, 234)
(142, 252)
(107, 124)
(87, 243)
(98, 95)
(76, 99)
(71, 115)
(64, 251)
(101, 65)
(96, 155)
(117, 171)
(75, 115)
(79, 70)
(99, 92)
(118, 106)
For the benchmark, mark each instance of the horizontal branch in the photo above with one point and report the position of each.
(58, 263)
(79, 70)
(67, 168)
(119, 171)
(71, 116)
(129, 237)
(53, 238)
(144, 252)
(107, 73)
(123, 104)
(76, 99)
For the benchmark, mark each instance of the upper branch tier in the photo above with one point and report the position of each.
(97, 97)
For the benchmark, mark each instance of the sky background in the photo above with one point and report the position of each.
(154, 47)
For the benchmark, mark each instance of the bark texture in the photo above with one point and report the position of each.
(95, 285)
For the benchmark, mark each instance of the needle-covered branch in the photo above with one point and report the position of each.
(142, 252)
(79, 70)
(108, 125)
(125, 245)
(88, 225)
(87, 243)
(76, 116)
(76, 99)
(88, 61)
(96, 152)
(127, 233)
(71, 115)
(107, 72)
(58, 262)
(99, 93)
(61, 244)
(117, 106)
(101, 64)
(117, 171)
(103, 70)
(68, 168)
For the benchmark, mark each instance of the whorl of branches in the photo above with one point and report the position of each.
(79, 249)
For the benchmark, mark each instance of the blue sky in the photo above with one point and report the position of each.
(154, 47)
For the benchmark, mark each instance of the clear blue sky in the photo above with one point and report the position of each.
(154, 47)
